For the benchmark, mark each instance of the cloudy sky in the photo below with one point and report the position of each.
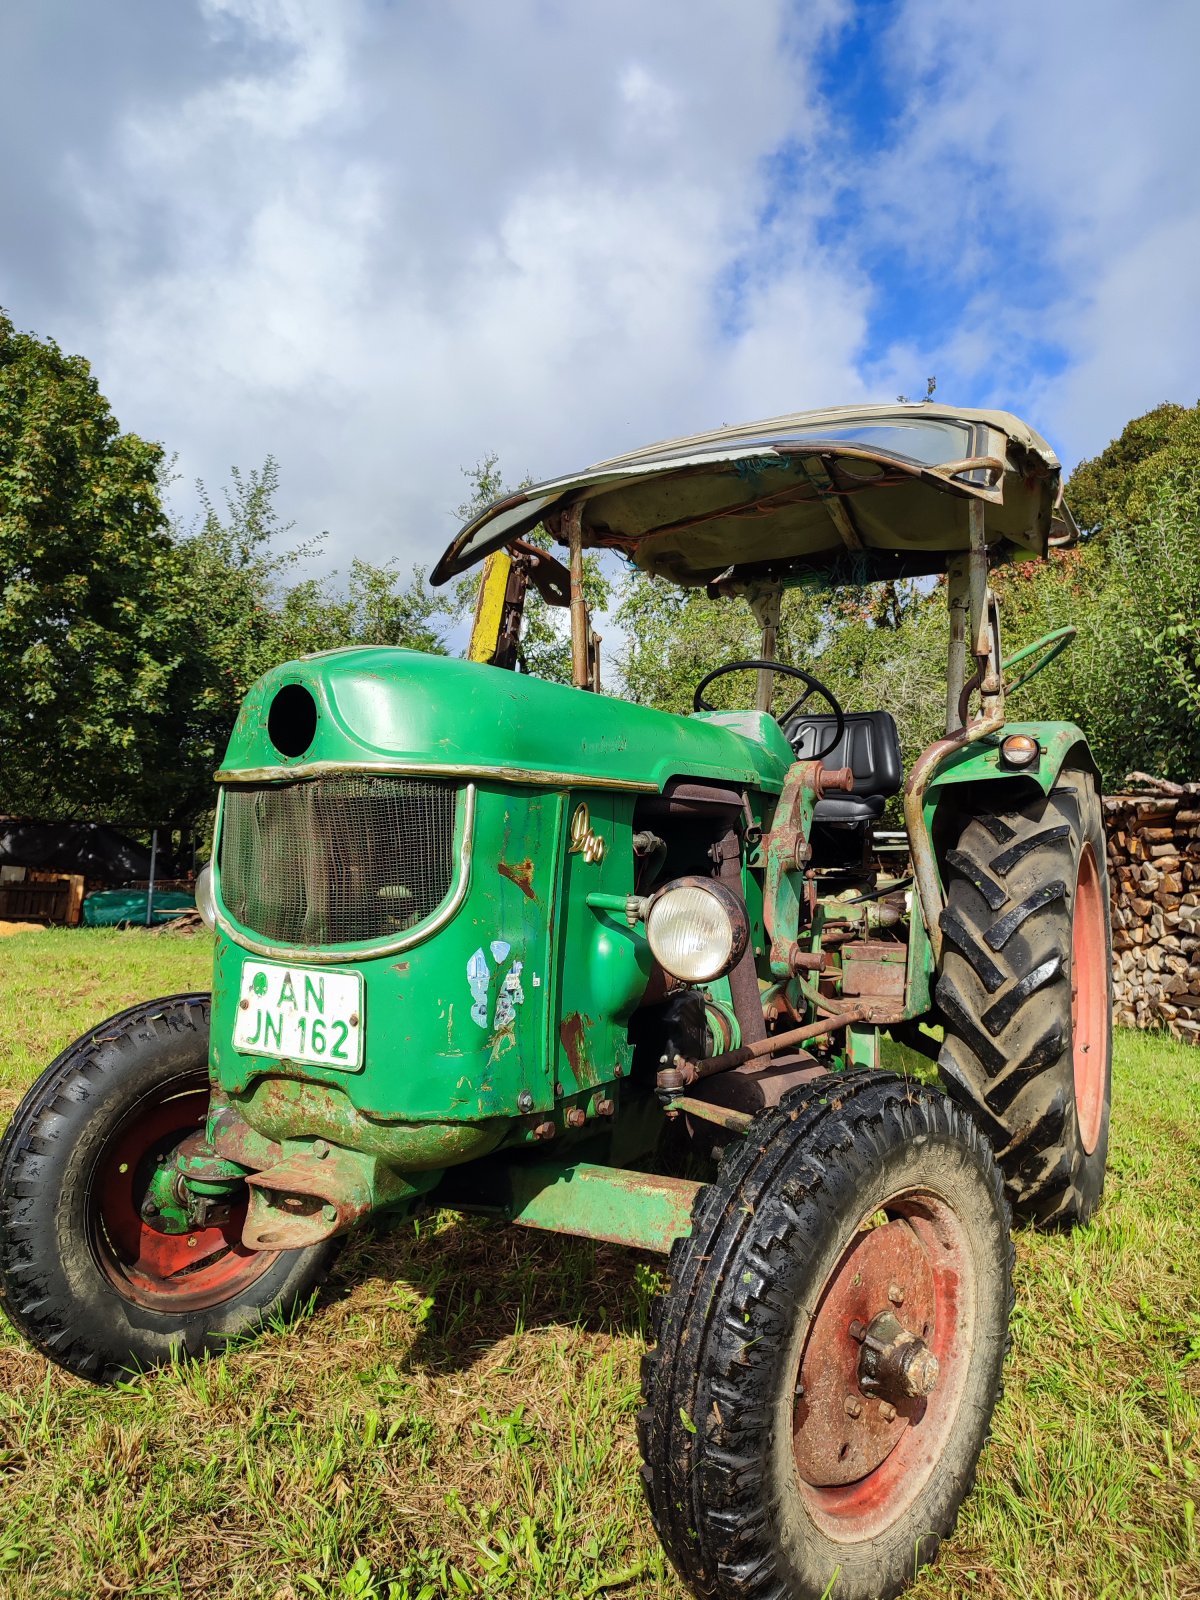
(378, 239)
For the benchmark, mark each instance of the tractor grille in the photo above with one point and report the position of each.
(338, 859)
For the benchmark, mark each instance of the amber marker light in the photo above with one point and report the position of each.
(1019, 750)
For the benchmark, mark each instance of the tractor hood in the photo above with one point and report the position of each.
(384, 710)
(851, 494)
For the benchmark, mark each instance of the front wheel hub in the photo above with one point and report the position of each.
(895, 1364)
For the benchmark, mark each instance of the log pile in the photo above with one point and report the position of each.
(1154, 879)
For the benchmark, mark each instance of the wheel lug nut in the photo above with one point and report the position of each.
(853, 1407)
(886, 1411)
(856, 1331)
(896, 1295)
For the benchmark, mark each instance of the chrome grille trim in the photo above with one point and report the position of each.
(366, 950)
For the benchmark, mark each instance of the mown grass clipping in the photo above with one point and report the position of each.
(455, 1415)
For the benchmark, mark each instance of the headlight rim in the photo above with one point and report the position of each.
(205, 896)
(732, 906)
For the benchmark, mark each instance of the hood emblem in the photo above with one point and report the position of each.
(584, 842)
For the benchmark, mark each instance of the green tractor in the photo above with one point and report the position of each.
(526, 950)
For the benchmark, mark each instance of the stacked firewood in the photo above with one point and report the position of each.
(1154, 878)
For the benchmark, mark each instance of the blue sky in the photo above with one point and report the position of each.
(379, 240)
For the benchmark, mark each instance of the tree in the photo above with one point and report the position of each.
(127, 644)
(247, 611)
(1121, 484)
(89, 650)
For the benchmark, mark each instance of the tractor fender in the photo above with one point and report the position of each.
(974, 779)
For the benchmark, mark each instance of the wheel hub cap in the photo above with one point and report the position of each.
(866, 1369)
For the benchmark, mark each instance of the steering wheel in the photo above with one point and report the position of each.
(813, 686)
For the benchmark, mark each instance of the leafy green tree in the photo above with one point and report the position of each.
(248, 610)
(90, 645)
(1121, 484)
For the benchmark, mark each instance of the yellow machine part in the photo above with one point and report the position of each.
(489, 607)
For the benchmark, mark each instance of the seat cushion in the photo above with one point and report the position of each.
(849, 808)
(869, 746)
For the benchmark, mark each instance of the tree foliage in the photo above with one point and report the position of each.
(1122, 484)
(127, 643)
(89, 638)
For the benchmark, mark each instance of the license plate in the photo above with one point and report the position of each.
(305, 1014)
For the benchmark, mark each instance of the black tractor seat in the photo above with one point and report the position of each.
(869, 746)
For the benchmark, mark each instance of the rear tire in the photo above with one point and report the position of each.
(771, 1468)
(82, 1276)
(1026, 996)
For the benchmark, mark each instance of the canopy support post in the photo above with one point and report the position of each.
(956, 665)
(580, 664)
(984, 624)
(766, 602)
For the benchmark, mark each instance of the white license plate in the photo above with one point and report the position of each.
(300, 1014)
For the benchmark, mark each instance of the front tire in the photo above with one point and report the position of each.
(770, 1470)
(1026, 995)
(82, 1275)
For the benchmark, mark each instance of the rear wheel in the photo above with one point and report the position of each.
(83, 1272)
(830, 1350)
(1025, 994)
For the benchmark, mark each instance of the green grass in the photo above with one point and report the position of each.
(456, 1417)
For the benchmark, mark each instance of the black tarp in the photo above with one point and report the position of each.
(101, 853)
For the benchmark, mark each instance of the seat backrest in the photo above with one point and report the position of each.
(869, 746)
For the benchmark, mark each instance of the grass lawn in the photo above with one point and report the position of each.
(456, 1417)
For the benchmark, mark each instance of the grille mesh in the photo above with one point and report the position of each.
(338, 859)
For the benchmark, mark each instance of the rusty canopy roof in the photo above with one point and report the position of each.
(854, 493)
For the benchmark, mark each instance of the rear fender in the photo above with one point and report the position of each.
(973, 779)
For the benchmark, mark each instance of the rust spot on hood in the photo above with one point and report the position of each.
(521, 874)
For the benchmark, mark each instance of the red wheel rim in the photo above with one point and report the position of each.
(1089, 1000)
(169, 1272)
(858, 1469)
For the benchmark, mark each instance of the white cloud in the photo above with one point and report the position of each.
(389, 240)
(1054, 141)
(378, 240)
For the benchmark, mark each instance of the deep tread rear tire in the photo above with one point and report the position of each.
(1005, 995)
(716, 1428)
(52, 1287)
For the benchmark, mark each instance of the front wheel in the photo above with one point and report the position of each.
(830, 1350)
(83, 1274)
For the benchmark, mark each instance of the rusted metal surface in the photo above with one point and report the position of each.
(547, 575)
(689, 1071)
(320, 1191)
(929, 884)
(743, 977)
(640, 1209)
(304, 1199)
(874, 967)
(723, 1116)
(572, 530)
(895, 1363)
(572, 1035)
(282, 1108)
(833, 1442)
(520, 873)
(787, 852)
(817, 473)
(325, 954)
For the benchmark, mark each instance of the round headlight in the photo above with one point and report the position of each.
(697, 929)
(205, 901)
